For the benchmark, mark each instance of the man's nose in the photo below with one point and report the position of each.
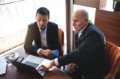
(41, 22)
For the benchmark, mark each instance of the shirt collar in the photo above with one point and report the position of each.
(82, 29)
(44, 30)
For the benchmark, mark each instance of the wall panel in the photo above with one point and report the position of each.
(89, 3)
(109, 24)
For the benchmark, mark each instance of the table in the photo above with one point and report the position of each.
(13, 73)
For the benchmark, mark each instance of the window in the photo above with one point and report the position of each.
(15, 15)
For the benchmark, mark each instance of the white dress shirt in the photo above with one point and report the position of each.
(79, 34)
(43, 39)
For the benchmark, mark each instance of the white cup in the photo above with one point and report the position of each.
(12, 55)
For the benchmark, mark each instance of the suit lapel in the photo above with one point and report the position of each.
(83, 33)
(80, 38)
(37, 33)
(76, 36)
(48, 33)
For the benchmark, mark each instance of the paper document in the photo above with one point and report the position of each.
(3, 65)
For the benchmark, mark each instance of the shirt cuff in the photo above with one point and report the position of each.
(56, 61)
(38, 51)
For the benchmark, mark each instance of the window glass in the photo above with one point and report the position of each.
(15, 15)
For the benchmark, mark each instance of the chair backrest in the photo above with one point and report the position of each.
(113, 53)
(61, 41)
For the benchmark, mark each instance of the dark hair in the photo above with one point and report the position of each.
(43, 11)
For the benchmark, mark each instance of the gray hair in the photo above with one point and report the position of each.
(84, 13)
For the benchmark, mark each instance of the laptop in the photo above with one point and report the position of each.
(28, 66)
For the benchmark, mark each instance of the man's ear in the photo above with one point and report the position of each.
(86, 20)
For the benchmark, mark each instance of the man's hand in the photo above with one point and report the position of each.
(71, 67)
(46, 65)
(46, 52)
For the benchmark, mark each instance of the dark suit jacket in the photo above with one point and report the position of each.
(90, 53)
(34, 34)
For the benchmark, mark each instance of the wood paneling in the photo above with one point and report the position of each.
(109, 24)
(89, 3)
(69, 35)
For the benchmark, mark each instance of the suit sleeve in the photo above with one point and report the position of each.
(91, 42)
(28, 42)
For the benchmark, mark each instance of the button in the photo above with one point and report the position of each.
(77, 66)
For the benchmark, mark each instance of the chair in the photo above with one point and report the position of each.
(61, 42)
(113, 53)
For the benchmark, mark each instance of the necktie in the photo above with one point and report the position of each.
(76, 36)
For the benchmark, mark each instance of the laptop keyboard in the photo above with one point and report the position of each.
(42, 72)
(31, 64)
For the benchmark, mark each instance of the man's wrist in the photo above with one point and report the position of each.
(39, 51)
(56, 61)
